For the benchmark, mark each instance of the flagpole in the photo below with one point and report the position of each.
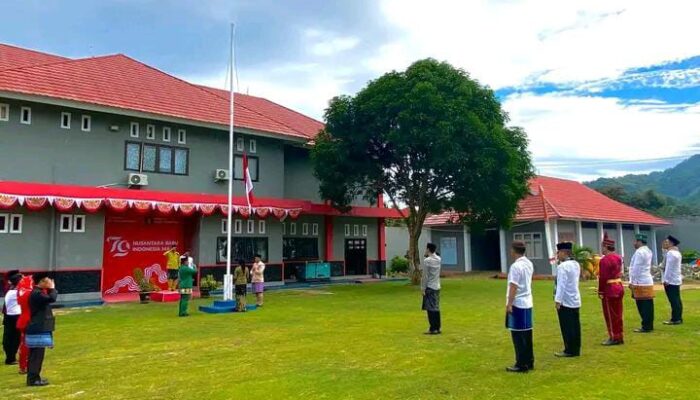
(228, 279)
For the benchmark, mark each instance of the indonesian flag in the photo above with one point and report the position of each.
(248, 182)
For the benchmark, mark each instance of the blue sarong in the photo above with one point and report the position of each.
(520, 319)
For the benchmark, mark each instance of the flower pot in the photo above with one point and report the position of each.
(204, 293)
(145, 297)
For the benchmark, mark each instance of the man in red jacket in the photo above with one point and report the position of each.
(24, 290)
(611, 292)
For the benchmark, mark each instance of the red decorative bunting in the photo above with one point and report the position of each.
(294, 213)
(63, 204)
(7, 201)
(262, 212)
(244, 211)
(207, 209)
(91, 205)
(224, 209)
(118, 205)
(279, 213)
(187, 209)
(142, 206)
(36, 203)
(165, 208)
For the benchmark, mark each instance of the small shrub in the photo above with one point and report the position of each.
(144, 284)
(209, 283)
(399, 265)
(690, 256)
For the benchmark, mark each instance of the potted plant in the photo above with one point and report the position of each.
(207, 284)
(145, 286)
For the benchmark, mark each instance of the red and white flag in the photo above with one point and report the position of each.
(248, 183)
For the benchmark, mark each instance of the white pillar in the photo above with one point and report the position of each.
(636, 229)
(601, 233)
(550, 251)
(579, 233)
(504, 252)
(655, 246)
(467, 250)
(621, 242)
(555, 232)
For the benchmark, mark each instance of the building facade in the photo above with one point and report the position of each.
(108, 162)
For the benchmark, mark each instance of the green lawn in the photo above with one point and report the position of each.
(359, 342)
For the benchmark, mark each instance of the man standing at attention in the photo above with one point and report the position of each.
(430, 287)
(611, 292)
(258, 279)
(186, 275)
(173, 265)
(519, 308)
(673, 279)
(567, 300)
(642, 283)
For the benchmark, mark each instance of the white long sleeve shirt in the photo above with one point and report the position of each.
(640, 267)
(11, 304)
(520, 275)
(568, 294)
(430, 278)
(672, 268)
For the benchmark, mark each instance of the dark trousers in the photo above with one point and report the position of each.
(646, 311)
(36, 360)
(570, 325)
(184, 304)
(434, 321)
(11, 338)
(524, 355)
(673, 292)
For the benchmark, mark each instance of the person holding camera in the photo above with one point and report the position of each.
(41, 326)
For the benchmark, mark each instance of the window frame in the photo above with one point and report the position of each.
(29, 115)
(347, 230)
(252, 146)
(238, 226)
(286, 242)
(150, 132)
(314, 229)
(134, 133)
(262, 227)
(254, 177)
(305, 229)
(284, 228)
(182, 136)
(6, 107)
(534, 248)
(157, 146)
(6, 228)
(356, 230)
(170, 134)
(292, 228)
(77, 217)
(224, 225)
(250, 226)
(12, 223)
(240, 144)
(364, 230)
(84, 118)
(65, 114)
(69, 219)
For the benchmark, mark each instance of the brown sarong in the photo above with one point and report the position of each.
(643, 292)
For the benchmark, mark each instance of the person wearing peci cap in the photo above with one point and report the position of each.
(567, 300)
(673, 279)
(642, 283)
(11, 337)
(186, 275)
(611, 292)
(41, 323)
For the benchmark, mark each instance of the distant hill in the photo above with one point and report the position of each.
(675, 191)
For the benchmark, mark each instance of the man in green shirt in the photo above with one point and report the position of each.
(186, 275)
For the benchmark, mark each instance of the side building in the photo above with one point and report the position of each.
(108, 162)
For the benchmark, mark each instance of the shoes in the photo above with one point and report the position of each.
(433, 333)
(642, 330)
(40, 382)
(611, 342)
(673, 322)
(11, 362)
(184, 315)
(564, 354)
(516, 369)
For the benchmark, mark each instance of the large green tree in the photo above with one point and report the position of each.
(431, 139)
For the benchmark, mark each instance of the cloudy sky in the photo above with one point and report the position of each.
(603, 88)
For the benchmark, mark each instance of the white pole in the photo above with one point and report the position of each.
(228, 279)
(579, 233)
(467, 249)
(621, 239)
(504, 251)
(655, 248)
(550, 251)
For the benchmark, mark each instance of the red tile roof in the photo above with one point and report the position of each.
(567, 199)
(121, 82)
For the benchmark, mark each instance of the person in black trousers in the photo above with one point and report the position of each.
(42, 321)
(11, 311)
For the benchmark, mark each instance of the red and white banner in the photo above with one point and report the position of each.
(248, 183)
(118, 205)
(187, 209)
(262, 212)
(91, 205)
(207, 209)
(36, 203)
(165, 208)
(8, 201)
(142, 206)
(63, 204)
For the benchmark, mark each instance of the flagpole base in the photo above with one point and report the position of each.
(228, 287)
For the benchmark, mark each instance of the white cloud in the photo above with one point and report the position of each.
(323, 43)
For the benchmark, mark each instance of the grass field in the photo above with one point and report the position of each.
(359, 342)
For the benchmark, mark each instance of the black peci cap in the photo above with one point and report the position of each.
(565, 246)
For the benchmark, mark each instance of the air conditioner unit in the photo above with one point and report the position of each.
(221, 175)
(138, 180)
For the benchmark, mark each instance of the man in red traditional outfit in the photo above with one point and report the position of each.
(611, 292)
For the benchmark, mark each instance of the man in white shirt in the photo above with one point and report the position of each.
(11, 335)
(673, 279)
(642, 283)
(430, 287)
(519, 308)
(567, 300)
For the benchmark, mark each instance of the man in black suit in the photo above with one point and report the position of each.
(42, 321)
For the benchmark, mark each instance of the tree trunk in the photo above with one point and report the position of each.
(414, 254)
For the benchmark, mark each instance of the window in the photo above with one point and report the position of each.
(242, 248)
(314, 229)
(240, 144)
(251, 226)
(181, 136)
(166, 133)
(4, 112)
(238, 226)
(305, 229)
(26, 116)
(299, 249)
(253, 146)
(156, 158)
(262, 226)
(293, 228)
(252, 168)
(533, 244)
(224, 226)
(3, 223)
(364, 230)
(347, 229)
(86, 123)
(356, 230)
(284, 228)
(66, 223)
(134, 129)
(16, 223)
(65, 120)
(79, 223)
(151, 132)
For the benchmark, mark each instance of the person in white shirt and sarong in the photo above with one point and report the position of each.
(567, 300)
(673, 279)
(519, 308)
(430, 288)
(642, 283)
